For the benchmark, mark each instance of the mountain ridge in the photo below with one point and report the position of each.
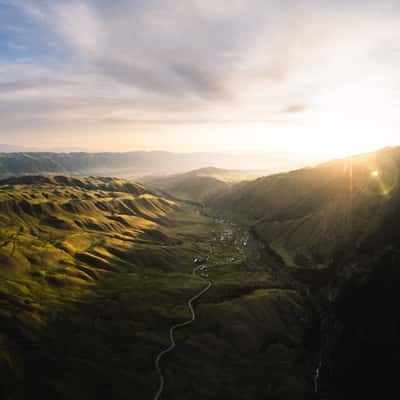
(137, 164)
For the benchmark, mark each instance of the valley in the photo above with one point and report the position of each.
(241, 290)
(96, 271)
(332, 232)
(274, 288)
(199, 200)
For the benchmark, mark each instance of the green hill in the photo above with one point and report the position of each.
(193, 186)
(93, 273)
(202, 184)
(71, 249)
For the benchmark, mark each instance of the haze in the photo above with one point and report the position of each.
(311, 77)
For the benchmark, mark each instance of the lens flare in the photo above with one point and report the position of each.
(376, 176)
(384, 179)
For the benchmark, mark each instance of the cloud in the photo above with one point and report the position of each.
(168, 61)
(16, 87)
(29, 6)
(169, 47)
(77, 23)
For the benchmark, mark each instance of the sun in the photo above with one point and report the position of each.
(375, 173)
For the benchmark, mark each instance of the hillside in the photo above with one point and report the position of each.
(93, 273)
(223, 175)
(202, 184)
(307, 216)
(198, 185)
(335, 228)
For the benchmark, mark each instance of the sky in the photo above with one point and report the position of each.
(314, 77)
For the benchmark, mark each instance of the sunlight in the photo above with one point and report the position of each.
(383, 180)
(351, 118)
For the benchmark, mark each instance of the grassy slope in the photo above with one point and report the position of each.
(202, 184)
(310, 215)
(94, 271)
(198, 189)
(198, 185)
(336, 225)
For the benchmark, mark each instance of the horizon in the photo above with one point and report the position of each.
(22, 149)
(137, 165)
(280, 162)
(315, 79)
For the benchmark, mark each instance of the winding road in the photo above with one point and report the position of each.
(172, 330)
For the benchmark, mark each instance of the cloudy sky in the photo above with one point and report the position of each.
(311, 76)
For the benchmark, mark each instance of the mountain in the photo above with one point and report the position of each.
(335, 228)
(224, 175)
(307, 215)
(6, 148)
(202, 184)
(138, 164)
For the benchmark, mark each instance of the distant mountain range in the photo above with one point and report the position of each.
(140, 163)
(7, 148)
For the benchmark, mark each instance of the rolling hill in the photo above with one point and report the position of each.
(202, 184)
(223, 175)
(69, 247)
(93, 273)
(198, 185)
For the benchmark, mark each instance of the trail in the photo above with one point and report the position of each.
(225, 235)
(172, 330)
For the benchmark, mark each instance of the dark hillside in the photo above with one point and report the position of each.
(307, 216)
(336, 228)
